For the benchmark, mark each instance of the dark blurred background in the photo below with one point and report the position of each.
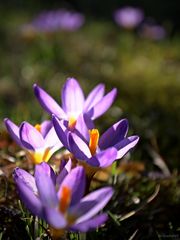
(145, 71)
(163, 11)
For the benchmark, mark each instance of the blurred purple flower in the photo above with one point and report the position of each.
(62, 206)
(128, 17)
(152, 31)
(74, 104)
(57, 20)
(95, 151)
(40, 141)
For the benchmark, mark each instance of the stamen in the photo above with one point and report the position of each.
(35, 157)
(38, 127)
(65, 199)
(38, 157)
(94, 139)
(72, 122)
(46, 155)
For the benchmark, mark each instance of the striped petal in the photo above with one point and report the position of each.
(114, 134)
(104, 158)
(48, 103)
(45, 127)
(103, 105)
(90, 224)
(72, 98)
(91, 204)
(54, 218)
(64, 172)
(94, 97)
(28, 197)
(75, 181)
(52, 139)
(31, 137)
(13, 130)
(79, 147)
(45, 185)
(125, 145)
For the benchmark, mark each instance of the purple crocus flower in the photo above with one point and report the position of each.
(62, 206)
(40, 141)
(152, 31)
(74, 104)
(95, 151)
(57, 20)
(128, 17)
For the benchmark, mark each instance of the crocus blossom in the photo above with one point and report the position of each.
(128, 17)
(57, 20)
(74, 103)
(62, 204)
(152, 31)
(97, 151)
(40, 141)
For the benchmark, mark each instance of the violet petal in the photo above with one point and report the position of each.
(90, 224)
(13, 130)
(30, 136)
(114, 134)
(75, 180)
(103, 105)
(52, 139)
(61, 131)
(104, 158)
(28, 197)
(125, 145)
(27, 178)
(94, 97)
(46, 186)
(45, 127)
(48, 103)
(54, 218)
(64, 172)
(79, 147)
(91, 204)
(72, 98)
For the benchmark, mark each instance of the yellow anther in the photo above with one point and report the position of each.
(64, 199)
(46, 155)
(38, 157)
(94, 139)
(38, 127)
(72, 122)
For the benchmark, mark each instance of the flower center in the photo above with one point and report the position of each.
(65, 199)
(38, 157)
(72, 122)
(38, 127)
(94, 139)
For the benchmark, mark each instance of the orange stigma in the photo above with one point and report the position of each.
(65, 199)
(94, 139)
(38, 127)
(72, 122)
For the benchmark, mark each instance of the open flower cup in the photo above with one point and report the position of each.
(96, 152)
(39, 141)
(59, 199)
(74, 104)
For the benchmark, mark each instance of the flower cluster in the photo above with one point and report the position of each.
(60, 199)
(130, 18)
(63, 200)
(55, 20)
